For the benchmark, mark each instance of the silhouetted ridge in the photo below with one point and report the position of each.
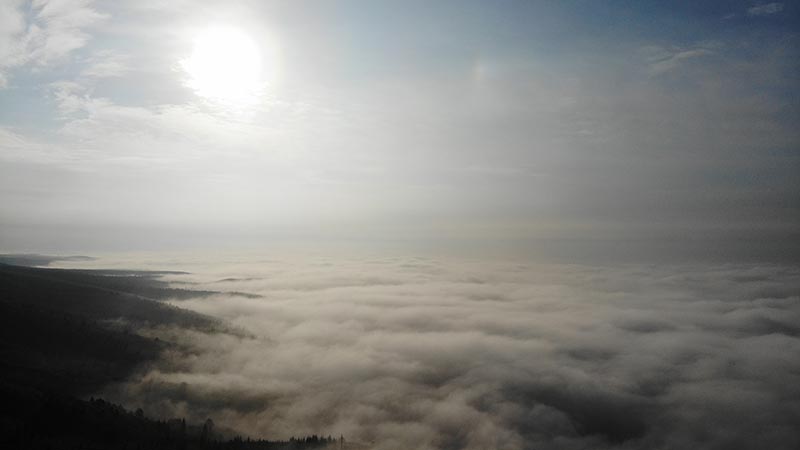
(60, 422)
(97, 296)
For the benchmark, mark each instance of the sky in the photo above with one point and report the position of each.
(138, 125)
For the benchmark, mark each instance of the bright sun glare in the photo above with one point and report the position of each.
(225, 66)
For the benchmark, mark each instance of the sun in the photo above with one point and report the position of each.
(225, 65)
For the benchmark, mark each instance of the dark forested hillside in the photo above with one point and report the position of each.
(56, 347)
(61, 422)
(53, 332)
(98, 295)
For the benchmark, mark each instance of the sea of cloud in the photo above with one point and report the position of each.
(437, 353)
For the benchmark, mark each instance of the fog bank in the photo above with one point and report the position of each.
(425, 353)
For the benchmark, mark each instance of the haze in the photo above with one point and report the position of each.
(414, 224)
(466, 121)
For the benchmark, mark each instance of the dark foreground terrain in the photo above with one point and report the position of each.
(66, 333)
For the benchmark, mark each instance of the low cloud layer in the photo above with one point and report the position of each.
(442, 354)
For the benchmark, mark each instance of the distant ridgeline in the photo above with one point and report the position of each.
(56, 346)
(33, 259)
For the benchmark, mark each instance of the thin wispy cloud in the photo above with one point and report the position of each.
(46, 35)
(765, 9)
(107, 64)
(661, 59)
